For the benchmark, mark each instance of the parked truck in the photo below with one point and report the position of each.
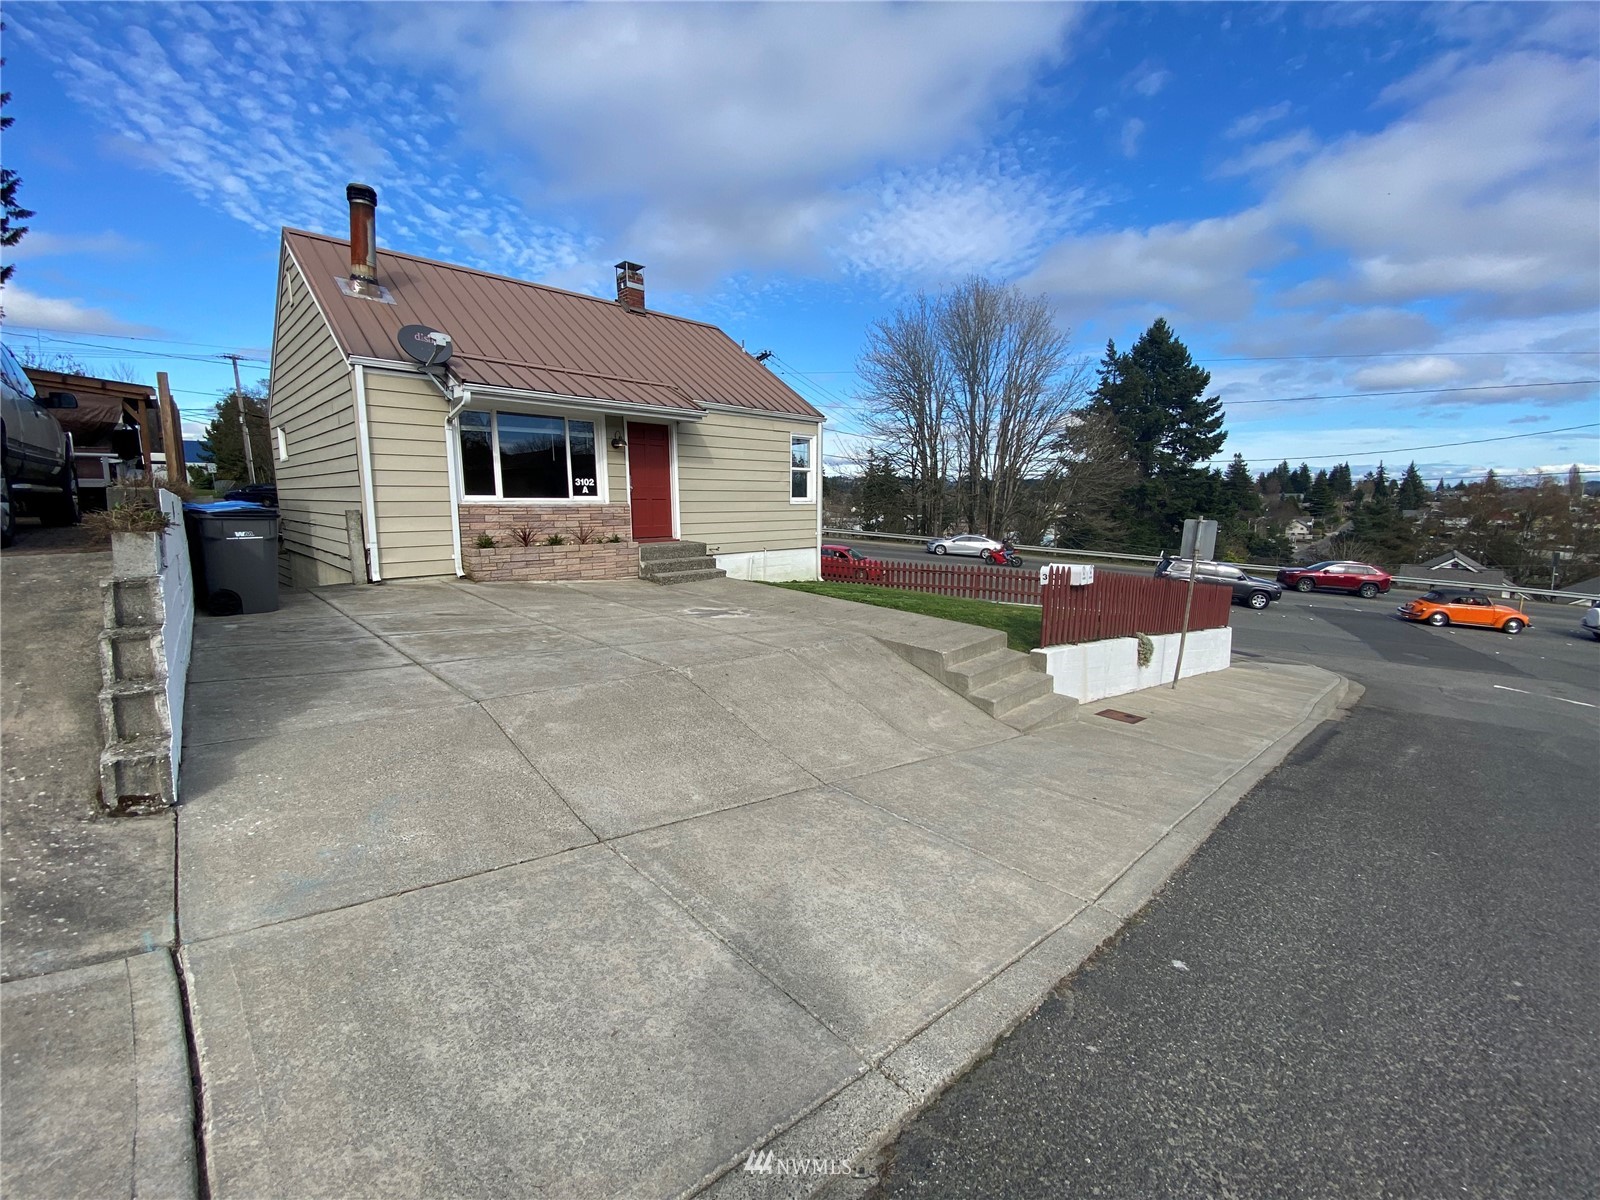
(37, 472)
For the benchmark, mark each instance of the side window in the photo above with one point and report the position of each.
(801, 488)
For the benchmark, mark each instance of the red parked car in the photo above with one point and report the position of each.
(1363, 579)
(843, 563)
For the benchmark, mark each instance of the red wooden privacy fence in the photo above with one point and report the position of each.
(1008, 585)
(1118, 605)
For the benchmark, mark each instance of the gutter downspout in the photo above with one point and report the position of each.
(369, 505)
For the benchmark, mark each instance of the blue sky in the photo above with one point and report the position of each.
(1393, 206)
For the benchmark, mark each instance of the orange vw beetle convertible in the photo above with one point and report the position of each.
(1463, 606)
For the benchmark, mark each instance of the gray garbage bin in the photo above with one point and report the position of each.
(239, 557)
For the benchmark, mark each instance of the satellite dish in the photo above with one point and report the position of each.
(425, 345)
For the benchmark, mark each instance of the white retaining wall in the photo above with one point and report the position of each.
(1095, 670)
(177, 626)
(772, 566)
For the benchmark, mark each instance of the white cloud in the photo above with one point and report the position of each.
(1147, 79)
(1128, 142)
(1201, 267)
(43, 243)
(1254, 122)
(1428, 371)
(23, 307)
(962, 219)
(1270, 156)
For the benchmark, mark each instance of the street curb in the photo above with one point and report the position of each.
(856, 1122)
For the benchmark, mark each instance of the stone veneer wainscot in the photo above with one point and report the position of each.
(510, 560)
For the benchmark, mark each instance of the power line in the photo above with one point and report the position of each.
(1348, 454)
(1487, 387)
(123, 337)
(126, 351)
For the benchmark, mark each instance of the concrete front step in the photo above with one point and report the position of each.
(136, 777)
(1009, 694)
(662, 552)
(688, 575)
(973, 674)
(699, 562)
(1044, 713)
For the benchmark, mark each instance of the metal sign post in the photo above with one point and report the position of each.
(1199, 536)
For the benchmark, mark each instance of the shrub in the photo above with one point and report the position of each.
(138, 517)
(584, 534)
(524, 534)
(485, 542)
(615, 537)
(1147, 649)
(555, 539)
(178, 488)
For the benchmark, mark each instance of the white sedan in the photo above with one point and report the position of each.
(967, 543)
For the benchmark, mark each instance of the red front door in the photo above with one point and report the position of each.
(650, 482)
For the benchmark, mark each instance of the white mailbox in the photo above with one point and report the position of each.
(1074, 574)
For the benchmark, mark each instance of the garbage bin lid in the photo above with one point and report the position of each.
(221, 508)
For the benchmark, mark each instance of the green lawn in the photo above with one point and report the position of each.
(1018, 622)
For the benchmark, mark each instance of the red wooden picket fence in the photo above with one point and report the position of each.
(1119, 605)
(1006, 585)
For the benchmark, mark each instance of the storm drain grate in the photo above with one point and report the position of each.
(1116, 714)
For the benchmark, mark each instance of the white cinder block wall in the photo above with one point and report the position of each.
(177, 625)
(1095, 670)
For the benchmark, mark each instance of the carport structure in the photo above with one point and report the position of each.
(588, 889)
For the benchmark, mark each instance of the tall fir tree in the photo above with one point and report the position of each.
(1413, 493)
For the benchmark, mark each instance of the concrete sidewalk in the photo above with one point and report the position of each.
(591, 890)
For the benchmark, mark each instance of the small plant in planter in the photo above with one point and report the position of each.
(135, 531)
(615, 537)
(555, 539)
(485, 542)
(524, 535)
(585, 534)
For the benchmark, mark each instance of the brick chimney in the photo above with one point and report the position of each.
(630, 286)
(363, 238)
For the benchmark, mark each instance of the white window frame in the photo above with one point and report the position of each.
(602, 478)
(811, 472)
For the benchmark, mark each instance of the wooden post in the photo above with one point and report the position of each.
(171, 432)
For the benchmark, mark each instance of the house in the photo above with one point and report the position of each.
(430, 419)
(1452, 568)
(195, 455)
(1297, 531)
(1588, 589)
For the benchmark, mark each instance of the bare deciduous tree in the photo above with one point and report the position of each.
(979, 384)
(907, 403)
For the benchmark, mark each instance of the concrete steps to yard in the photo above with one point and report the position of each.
(677, 562)
(1009, 686)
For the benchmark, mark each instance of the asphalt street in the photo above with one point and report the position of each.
(1378, 977)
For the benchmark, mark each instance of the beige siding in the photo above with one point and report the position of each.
(410, 475)
(311, 401)
(733, 484)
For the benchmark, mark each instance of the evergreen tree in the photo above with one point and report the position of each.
(1243, 496)
(1340, 481)
(1378, 524)
(12, 214)
(1413, 492)
(224, 443)
(1322, 503)
(1156, 394)
(882, 496)
(1300, 479)
(1574, 481)
(1440, 488)
(1380, 484)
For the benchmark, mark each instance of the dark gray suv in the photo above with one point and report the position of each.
(1247, 589)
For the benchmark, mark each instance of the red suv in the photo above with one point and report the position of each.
(1363, 579)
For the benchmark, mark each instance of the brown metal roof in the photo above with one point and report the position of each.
(528, 337)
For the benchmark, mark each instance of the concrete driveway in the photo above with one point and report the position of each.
(587, 890)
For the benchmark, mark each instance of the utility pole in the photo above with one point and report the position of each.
(244, 430)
